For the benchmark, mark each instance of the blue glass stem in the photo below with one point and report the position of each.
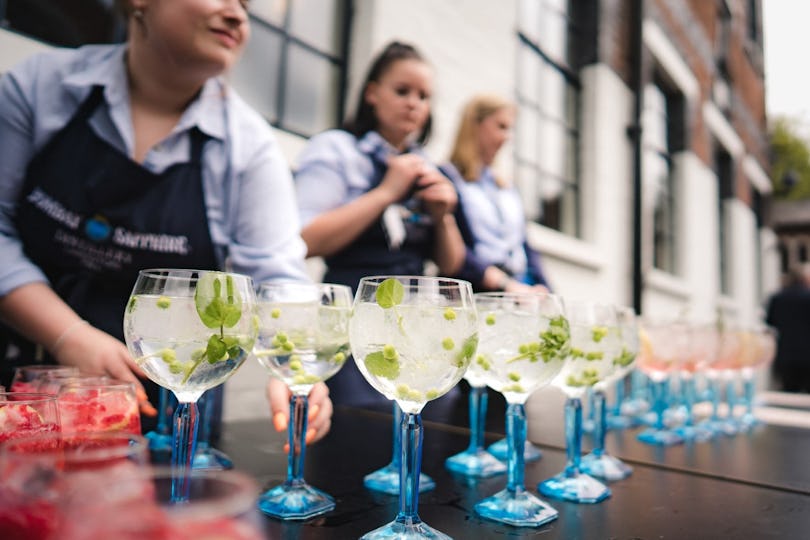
(478, 416)
(573, 436)
(295, 436)
(714, 393)
(516, 441)
(659, 391)
(185, 441)
(689, 394)
(600, 423)
(410, 468)
(749, 387)
(731, 398)
(619, 398)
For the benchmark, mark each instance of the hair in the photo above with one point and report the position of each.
(465, 155)
(365, 119)
(798, 275)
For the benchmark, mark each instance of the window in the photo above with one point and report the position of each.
(547, 132)
(724, 169)
(293, 69)
(663, 136)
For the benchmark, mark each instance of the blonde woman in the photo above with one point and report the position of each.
(489, 212)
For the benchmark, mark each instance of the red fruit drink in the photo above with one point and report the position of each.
(110, 406)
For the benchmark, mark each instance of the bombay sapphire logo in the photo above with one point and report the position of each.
(97, 228)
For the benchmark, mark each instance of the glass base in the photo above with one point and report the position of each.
(295, 502)
(386, 480)
(620, 421)
(694, 433)
(606, 467)
(500, 449)
(659, 437)
(579, 488)
(397, 530)
(479, 464)
(159, 442)
(211, 459)
(521, 509)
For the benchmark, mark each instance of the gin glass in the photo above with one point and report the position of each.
(303, 340)
(412, 338)
(524, 340)
(595, 343)
(664, 345)
(599, 462)
(99, 405)
(189, 330)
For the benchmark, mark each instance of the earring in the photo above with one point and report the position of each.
(138, 13)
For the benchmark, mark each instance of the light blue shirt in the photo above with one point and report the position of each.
(336, 168)
(496, 219)
(248, 190)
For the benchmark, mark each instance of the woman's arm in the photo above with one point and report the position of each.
(335, 229)
(36, 312)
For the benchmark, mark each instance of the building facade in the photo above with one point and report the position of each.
(640, 148)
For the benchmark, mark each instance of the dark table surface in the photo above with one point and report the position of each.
(751, 486)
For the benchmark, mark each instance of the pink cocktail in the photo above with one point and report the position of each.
(221, 506)
(23, 414)
(28, 378)
(107, 405)
(41, 475)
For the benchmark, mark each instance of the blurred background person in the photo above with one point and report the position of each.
(788, 311)
(490, 212)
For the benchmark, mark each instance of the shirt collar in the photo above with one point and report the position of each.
(205, 112)
(374, 145)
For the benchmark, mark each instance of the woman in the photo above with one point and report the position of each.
(115, 158)
(490, 211)
(371, 201)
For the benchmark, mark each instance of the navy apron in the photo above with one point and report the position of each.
(90, 217)
(370, 255)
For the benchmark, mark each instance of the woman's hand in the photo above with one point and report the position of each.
(403, 172)
(96, 352)
(319, 419)
(437, 193)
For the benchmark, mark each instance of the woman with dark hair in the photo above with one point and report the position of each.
(370, 200)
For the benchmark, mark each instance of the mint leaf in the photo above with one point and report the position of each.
(390, 293)
(214, 309)
(380, 366)
(216, 349)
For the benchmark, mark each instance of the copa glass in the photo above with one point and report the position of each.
(523, 342)
(189, 330)
(412, 338)
(595, 343)
(599, 463)
(303, 340)
(664, 345)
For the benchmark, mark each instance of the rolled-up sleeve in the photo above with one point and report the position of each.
(16, 150)
(323, 180)
(263, 230)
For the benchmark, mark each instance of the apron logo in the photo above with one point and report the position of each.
(97, 228)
